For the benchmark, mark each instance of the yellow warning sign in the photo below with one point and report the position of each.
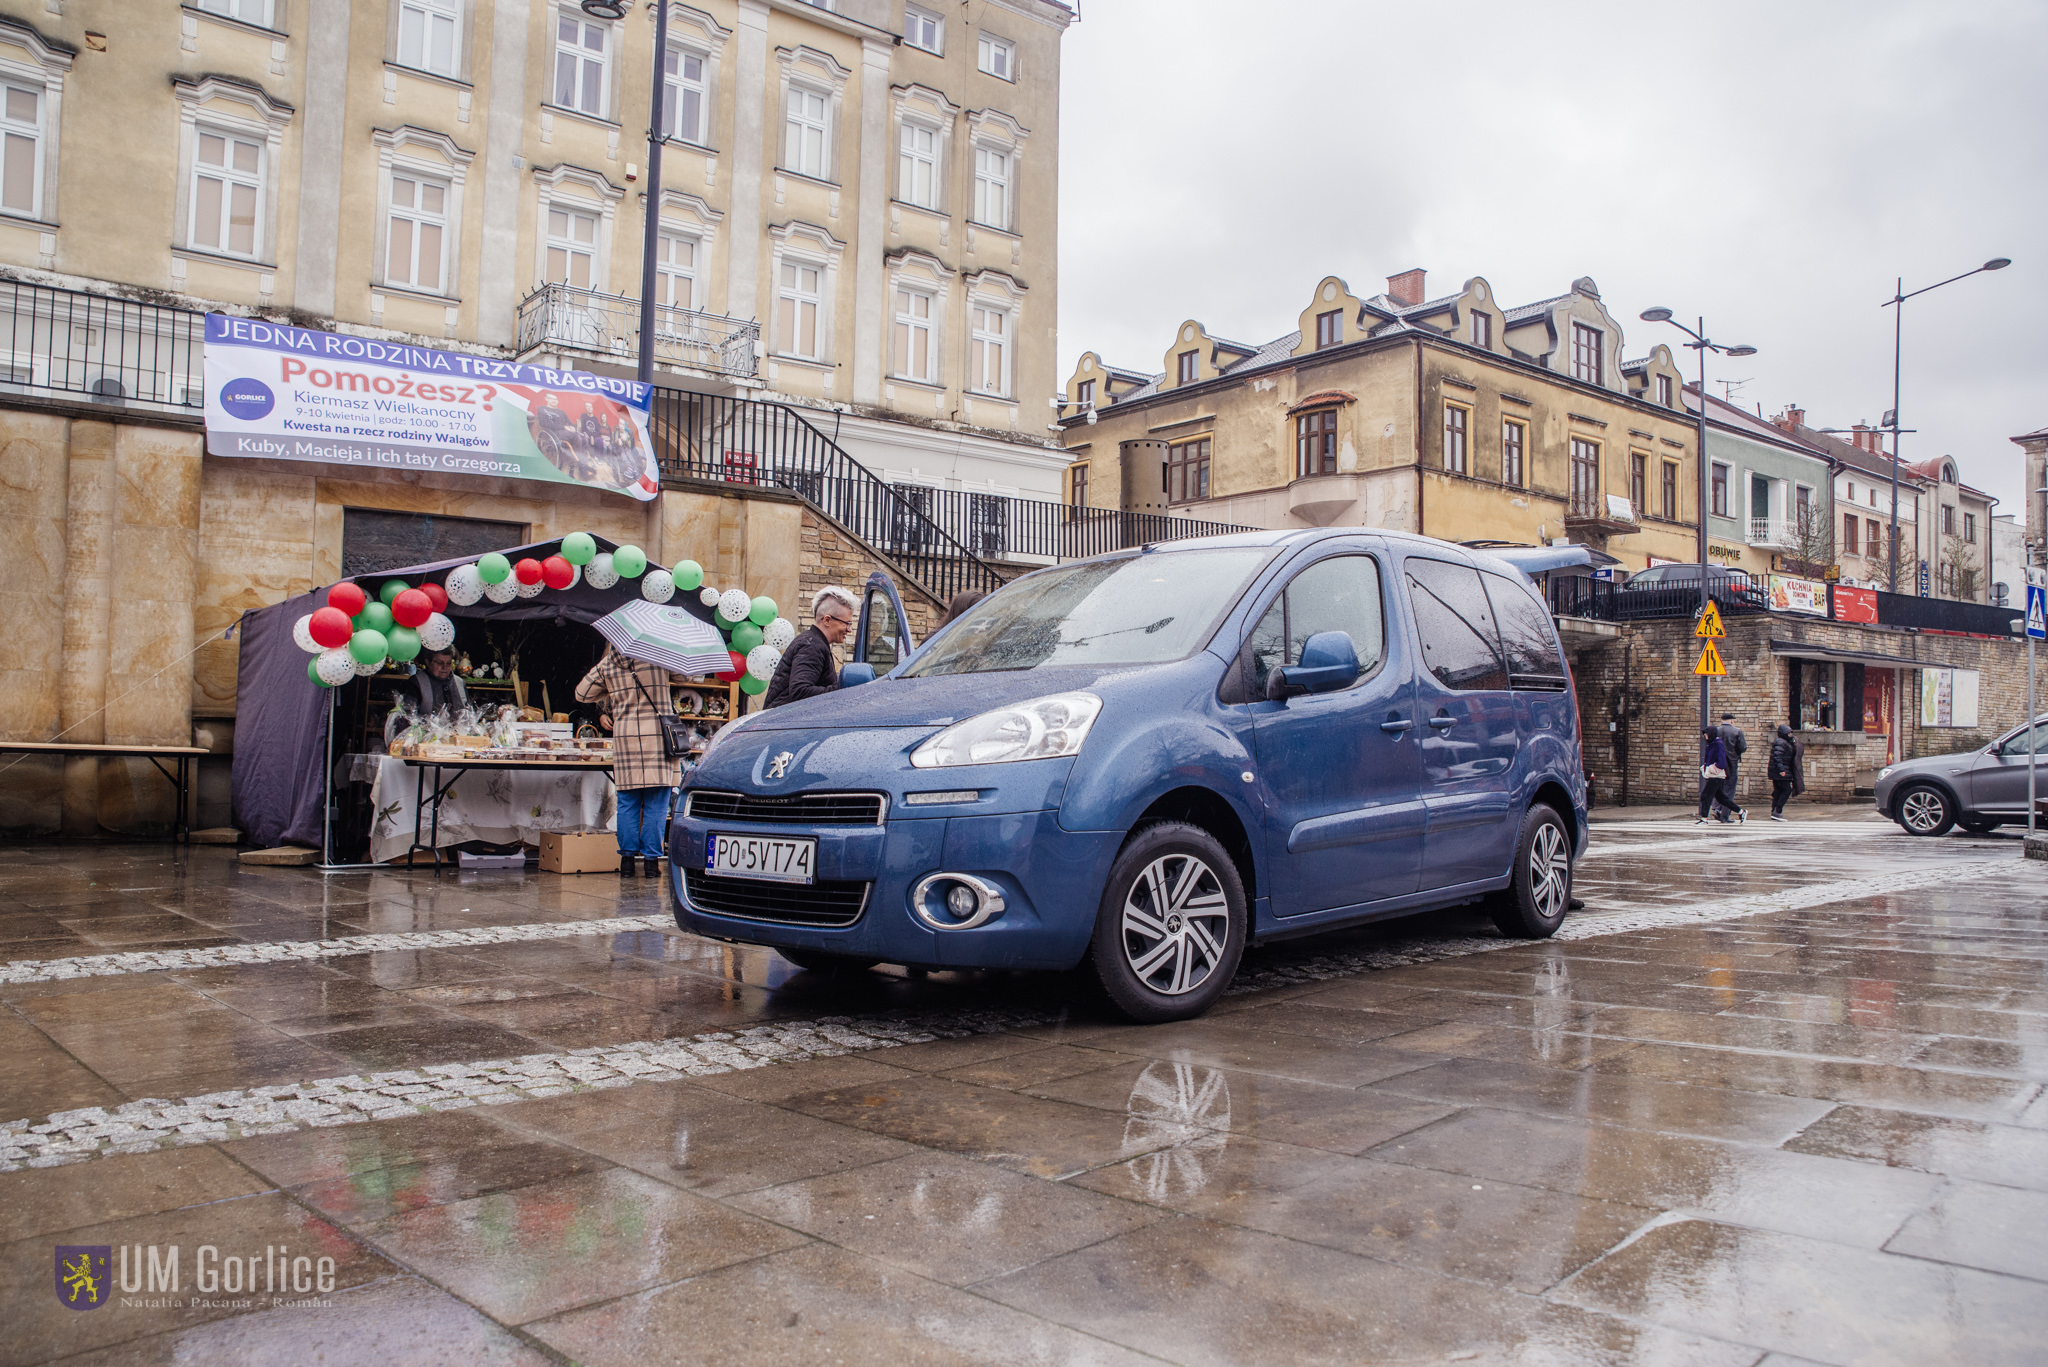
(1710, 624)
(1710, 662)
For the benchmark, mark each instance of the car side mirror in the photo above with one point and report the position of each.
(858, 673)
(1329, 662)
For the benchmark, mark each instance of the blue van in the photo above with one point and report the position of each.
(1148, 760)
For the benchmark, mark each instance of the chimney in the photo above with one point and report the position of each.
(1406, 288)
(1792, 419)
(1866, 438)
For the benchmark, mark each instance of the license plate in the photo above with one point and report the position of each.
(760, 856)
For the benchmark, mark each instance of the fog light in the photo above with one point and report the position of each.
(962, 902)
(955, 901)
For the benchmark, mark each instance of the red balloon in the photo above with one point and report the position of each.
(558, 572)
(739, 667)
(331, 627)
(348, 597)
(412, 608)
(527, 571)
(436, 595)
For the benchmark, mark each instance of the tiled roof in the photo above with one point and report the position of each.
(1524, 312)
(1323, 398)
(1635, 367)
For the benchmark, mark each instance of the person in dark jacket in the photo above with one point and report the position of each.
(807, 668)
(1737, 745)
(1787, 770)
(962, 602)
(1714, 755)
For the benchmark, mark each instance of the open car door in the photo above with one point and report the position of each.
(881, 634)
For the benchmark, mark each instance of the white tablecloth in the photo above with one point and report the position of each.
(497, 805)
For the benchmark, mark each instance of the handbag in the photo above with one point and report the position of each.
(675, 734)
(1712, 771)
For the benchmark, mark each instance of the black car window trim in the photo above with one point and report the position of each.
(1235, 688)
(1529, 682)
(1500, 656)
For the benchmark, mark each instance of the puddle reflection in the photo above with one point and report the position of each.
(1187, 1107)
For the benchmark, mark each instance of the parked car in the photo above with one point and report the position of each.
(1147, 760)
(1688, 576)
(1979, 790)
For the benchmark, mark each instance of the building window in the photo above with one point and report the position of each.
(675, 271)
(1086, 391)
(988, 350)
(572, 247)
(914, 335)
(1315, 444)
(1586, 479)
(1638, 481)
(1671, 491)
(1970, 528)
(1586, 353)
(1948, 519)
(796, 310)
(683, 99)
(255, 12)
(1850, 525)
(992, 187)
(924, 31)
(413, 253)
(1875, 528)
(997, 57)
(1802, 506)
(1077, 485)
(22, 125)
(917, 174)
(1482, 330)
(1454, 438)
(1664, 390)
(1513, 436)
(1329, 328)
(226, 190)
(426, 35)
(1187, 471)
(580, 65)
(1720, 489)
(806, 135)
(1189, 370)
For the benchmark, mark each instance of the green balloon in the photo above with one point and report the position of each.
(750, 684)
(578, 548)
(629, 561)
(374, 617)
(370, 647)
(402, 644)
(493, 568)
(313, 672)
(689, 575)
(392, 588)
(763, 612)
(745, 636)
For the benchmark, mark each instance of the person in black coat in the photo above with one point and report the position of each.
(807, 667)
(1787, 770)
(1737, 745)
(1714, 755)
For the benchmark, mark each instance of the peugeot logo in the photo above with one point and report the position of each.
(779, 766)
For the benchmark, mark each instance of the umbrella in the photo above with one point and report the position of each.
(664, 634)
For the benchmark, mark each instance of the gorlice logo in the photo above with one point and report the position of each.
(83, 1275)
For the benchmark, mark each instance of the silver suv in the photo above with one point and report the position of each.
(1978, 790)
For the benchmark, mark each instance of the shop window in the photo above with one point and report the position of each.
(1460, 644)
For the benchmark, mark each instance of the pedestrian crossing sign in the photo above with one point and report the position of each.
(2037, 612)
(1710, 625)
(1710, 662)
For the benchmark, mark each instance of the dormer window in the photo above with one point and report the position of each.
(1189, 367)
(1482, 330)
(1085, 393)
(1329, 328)
(1587, 346)
(1664, 390)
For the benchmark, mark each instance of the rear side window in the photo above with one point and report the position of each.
(1525, 634)
(1338, 594)
(1460, 643)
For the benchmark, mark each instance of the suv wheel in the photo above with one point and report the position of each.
(1171, 926)
(823, 961)
(1539, 893)
(1926, 810)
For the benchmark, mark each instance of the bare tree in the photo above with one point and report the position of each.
(1959, 573)
(1812, 551)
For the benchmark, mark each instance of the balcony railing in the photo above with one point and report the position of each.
(563, 318)
(1004, 527)
(57, 342)
(1776, 533)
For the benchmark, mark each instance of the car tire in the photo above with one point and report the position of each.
(1979, 825)
(1539, 892)
(1924, 809)
(1171, 926)
(824, 961)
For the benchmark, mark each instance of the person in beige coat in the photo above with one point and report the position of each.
(632, 696)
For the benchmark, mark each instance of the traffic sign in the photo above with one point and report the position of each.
(1710, 625)
(2037, 612)
(1710, 663)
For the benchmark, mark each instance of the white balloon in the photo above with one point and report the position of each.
(734, 605)
(302, 633)
(709, 597)
(599, 573)
(779, 633)
(657, 586)
(465, 585)
(364, 671)
(527, 590)
(336, 666)
(575, 576)
(761, 661)
(437, 633)
(504, 591)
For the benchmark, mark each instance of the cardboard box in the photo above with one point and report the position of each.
(591, 852)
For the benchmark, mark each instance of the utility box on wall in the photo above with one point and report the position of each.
(1144, 476)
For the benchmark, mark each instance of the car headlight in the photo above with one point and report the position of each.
(1884, 773)
(1043, 728)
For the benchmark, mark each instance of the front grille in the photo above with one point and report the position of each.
(795, 904)
(797, 809)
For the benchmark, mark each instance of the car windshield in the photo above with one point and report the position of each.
(1138, 609)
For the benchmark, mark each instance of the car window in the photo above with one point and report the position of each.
(1460, 643)
(1525, 634)
(881, 642)
(1338, 594)
(2017, 746)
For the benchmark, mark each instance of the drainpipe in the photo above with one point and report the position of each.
(1420, 527)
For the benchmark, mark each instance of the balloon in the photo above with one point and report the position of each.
(739, 667)
(734, 605)
(599, 573)
(329, 628)
(689, 575)
(304, 637)
(557, 573)
(365, 670)
(375, 617)
(313, 672)
(336, 666)
(392, 588)
(402, 644)
(369, 646)
(709, 597)
(752, 686)
(763, 612)
(436, 595)
(349, 597)
(493, 568)
(746, 638)
(437, 634)
(465, 585)
(629, 561)
(527, 571)
(532, 590)
(779, 633)
(579, 548)
(657, 587)
(761, 661)
(575, 575)
(411, 608)
(504, 591)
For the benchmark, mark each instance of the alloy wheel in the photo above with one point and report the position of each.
(1550, 872)
(1175, 923)
(1923, 810)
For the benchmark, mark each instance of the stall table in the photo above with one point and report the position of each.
(519, 802)
(181, 755)
(463, 766)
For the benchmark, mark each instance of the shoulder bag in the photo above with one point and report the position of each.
(675, 734)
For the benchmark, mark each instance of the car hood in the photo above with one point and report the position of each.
(931, 702)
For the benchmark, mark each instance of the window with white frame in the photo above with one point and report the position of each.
(914, 350)
(256, 12)
(997, 57)
(581, 63)
(988, 350)
(227, 193)
(917, 179)
(683, 102)
(572, 247)
(675, 271)
(992, 187)
(21, 139)
(924, 30)
(426, 35)
(798, 298)
(415, 251)
(808, 113)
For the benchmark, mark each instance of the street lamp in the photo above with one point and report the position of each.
(1702, 345)
(651, 237)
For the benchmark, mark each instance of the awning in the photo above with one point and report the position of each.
(1802, 650)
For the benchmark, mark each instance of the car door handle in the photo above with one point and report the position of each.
(1394, 726)
(1443, 723)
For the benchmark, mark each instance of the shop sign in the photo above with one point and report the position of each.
(1799, 595)
(289, 393)
(1925, 585)
(1855, 605)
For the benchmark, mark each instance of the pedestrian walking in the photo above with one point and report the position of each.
(1713, 774)
(1736, 745)
(807, 668)
(632, 697)
(1787, 770)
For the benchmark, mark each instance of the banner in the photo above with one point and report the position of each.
(1855, 605)
(292, 394)
(1799, 595)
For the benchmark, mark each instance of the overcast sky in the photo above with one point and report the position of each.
(1771, 166)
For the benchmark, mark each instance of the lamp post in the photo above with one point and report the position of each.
(651, 236)
(1702, 345)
